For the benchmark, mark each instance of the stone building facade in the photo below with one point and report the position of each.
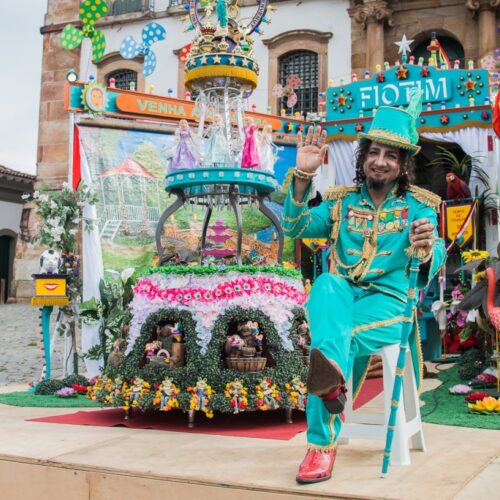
(346, 35)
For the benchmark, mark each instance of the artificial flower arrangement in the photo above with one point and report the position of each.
(460, 389)
(201, 395)
(237, 395)
(66, 392)
(486, 406)
(268, 396)
(166, 395)
(297, 393)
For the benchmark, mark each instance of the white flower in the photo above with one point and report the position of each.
(76, 220)
(126, 273)
(66, 186)
(73, 231)
(43, 198)
(53, 204)
(36, 194)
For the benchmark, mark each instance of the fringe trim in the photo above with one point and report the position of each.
(324, 449)
(49, 301)
(419, 252)
(426, 197)
(337, 192)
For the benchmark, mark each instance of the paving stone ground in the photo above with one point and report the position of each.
(20, 355)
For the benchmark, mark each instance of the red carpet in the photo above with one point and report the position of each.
(261, 425)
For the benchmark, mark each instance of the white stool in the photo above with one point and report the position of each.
(364, 425)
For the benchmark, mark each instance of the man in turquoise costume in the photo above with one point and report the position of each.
(358, 307)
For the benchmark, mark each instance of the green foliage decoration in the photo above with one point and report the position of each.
(50, 386)
(209, 366)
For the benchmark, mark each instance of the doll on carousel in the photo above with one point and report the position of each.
(250, 156)
(266, 149)
(185, 151)
(216, 149)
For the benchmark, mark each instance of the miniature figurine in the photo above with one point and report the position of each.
(216, 147)
(168, 395)
(258, 337)
(50, 262)
(152, 348)
(236, 393)
(250, 156)
(185, 151)
(266, 149)
(233, 346)
(304, 338)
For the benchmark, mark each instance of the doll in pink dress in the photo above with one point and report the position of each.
(250, 156)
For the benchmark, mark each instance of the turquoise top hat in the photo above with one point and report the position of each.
(397, 127)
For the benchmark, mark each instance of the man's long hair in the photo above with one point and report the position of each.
(406, 161)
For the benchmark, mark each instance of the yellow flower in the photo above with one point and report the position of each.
(472, 255)
(488, 404)
(479, 276)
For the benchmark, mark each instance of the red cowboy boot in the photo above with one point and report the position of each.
(325, 379)
(316, 466)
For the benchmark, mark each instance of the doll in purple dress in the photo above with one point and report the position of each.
(185, 153)
(250, 156)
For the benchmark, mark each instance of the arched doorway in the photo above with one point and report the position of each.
(7, 251)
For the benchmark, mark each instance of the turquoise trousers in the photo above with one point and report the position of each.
(347, 323)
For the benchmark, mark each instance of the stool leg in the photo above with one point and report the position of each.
(400, 451)
(412, 405)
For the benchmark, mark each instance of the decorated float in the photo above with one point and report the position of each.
(208, 327)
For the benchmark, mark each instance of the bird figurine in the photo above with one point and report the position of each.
(494, 316)
(457, 189)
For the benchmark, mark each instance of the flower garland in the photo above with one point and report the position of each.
(201, 395)
(268, 396)
(237, 395)
(208, 296)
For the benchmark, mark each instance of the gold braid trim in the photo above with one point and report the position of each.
(338, 192)
(327, 448)
(382, 323)
(426, 197)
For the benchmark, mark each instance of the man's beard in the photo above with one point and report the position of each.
(375, 184)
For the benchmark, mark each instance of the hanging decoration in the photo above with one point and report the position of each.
(130, 49)
(292, 83)
(90, 12)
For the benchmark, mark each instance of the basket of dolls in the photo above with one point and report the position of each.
(246, 364)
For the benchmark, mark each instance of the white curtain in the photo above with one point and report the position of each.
(340, 168)
(92, 271)
(474, 141)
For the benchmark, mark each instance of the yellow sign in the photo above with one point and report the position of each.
(50, 290)
(455, 218)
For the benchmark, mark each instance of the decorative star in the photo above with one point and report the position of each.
(424, 71)
(341, 100)
(404, 45)
(216, 59)
(470, 85)
(359, 127)
(485, 115)
(380, 78)
(245, 62)
(232, 60)
(402, 73)
(444, 119)
(290, 127)
(203, 59)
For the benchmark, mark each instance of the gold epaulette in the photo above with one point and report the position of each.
(337, 192)
(426, 197)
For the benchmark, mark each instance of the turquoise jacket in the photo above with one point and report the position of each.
(370, 245)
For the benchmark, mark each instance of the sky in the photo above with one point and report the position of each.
(20, 61)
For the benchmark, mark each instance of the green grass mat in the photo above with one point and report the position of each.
(444, 408)
(27, 398)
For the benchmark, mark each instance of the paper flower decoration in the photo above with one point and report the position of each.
(487, 406)
(90, 12)
(292, 83)
(460, 389)
(151, 33)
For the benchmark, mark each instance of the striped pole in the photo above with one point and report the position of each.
(403, 346)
